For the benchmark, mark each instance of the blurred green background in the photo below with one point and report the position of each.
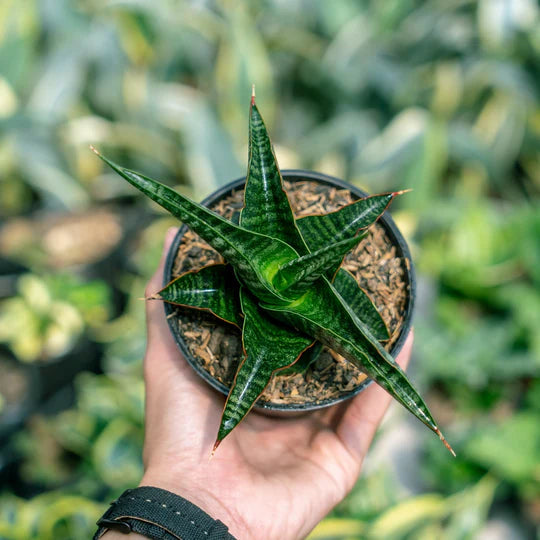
(441, 96)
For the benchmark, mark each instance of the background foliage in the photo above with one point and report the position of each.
(437, 95)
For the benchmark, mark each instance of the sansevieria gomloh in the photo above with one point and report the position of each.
(282, 283)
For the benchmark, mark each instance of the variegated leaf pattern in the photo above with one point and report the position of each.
(286, 269)
(323, 314)
(269, 345)
(255, 257)
(213, 288)
(360, 303)
(299, 274)
(267, 208)
(323, 230)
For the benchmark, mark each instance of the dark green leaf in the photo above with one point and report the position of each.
(213, 288)
(324, 230)
(322, 313)
(256, 257)
(269, 346)
(267, 209)
(360, 304)
(299, 274)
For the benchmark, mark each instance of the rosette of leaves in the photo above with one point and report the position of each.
(282, 284)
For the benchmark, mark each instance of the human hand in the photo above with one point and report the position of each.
(270, 478)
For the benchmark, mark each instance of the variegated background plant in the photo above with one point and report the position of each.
(441, 97)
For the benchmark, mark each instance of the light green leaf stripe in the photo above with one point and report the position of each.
(213, 288)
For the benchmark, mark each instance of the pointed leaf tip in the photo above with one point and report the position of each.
(396, 193)
(95, 150)
(234, 243)
(253, 94)
(445, 442)
(216, 444)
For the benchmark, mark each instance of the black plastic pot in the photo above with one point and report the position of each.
(391, 230)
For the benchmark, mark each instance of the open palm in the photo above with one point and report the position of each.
(272, 478)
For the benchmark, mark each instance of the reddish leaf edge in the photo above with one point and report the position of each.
(207, 310)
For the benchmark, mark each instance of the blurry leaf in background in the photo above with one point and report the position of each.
(149, 247)
(438, 96)
(374, 492)
(511, 449)
(92, 299)
(53, 515)
(242, 60)
(36, 325)
(334, 528)
(125, 337)
(459, 516)
(473, 251)
(407, 515)
(64, 516)
(106, 397)
(210, 159)
(50, 314)
(49, 466)
(76, 430)
(103, 430)
(396, 146)
(499, 20)
(469, 350)
(116, 454)
(8, 99)
(45, 173)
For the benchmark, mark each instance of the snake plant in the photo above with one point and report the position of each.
(282, 284)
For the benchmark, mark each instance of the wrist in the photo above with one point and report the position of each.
(200, 496)
(154, 512)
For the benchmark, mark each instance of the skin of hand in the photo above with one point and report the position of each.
(272, 478)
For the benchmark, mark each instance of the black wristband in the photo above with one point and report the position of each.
(159, 514)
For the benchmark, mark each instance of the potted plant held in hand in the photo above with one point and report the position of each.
(280, 281)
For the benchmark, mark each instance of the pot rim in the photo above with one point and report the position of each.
(390, 228)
